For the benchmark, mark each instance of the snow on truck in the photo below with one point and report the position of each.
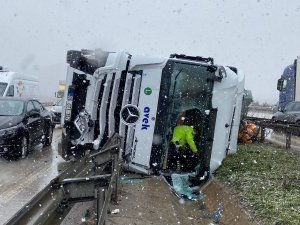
(140, 97)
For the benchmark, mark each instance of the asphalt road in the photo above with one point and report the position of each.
(21, 180)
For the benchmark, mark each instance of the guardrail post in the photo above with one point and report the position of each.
(101, 193)
(115, 168)
(262, 134)
(288, 140)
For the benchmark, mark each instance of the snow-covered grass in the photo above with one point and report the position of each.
(267, 180)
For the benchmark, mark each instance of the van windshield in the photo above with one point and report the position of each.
(2, 88)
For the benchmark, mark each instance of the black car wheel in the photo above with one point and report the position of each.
(24, 147)
(49, 135)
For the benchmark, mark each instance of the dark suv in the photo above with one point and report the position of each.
(290, 114)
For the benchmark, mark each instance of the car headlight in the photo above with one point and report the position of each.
(8, 132)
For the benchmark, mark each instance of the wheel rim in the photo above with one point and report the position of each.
(24, 147)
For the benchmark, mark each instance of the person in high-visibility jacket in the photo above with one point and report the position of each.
(184, 135)
(183, 155)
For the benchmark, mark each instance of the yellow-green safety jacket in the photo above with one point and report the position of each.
(184, 135)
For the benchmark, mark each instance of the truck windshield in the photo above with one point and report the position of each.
(2, 88)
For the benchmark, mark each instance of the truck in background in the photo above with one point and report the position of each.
(289, 84)
(61, 90)
(13, 84)
(140, 97)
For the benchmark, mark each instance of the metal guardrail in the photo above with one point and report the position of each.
(82, 181)
(270, 109)
(288, 128)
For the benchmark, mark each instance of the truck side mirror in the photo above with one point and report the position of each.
(280, 84)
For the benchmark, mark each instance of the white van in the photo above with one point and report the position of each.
(14, 84)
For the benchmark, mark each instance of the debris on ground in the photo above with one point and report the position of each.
(130, 180)
(115, 211)
(182, 187)
(216, 215)
(249, 132)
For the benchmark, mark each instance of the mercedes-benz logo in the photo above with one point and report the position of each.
(130, 114)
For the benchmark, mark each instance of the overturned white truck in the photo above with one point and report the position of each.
(140, 97)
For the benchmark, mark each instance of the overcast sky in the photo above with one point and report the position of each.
(260, 37)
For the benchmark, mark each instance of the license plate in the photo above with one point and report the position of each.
(69, 103)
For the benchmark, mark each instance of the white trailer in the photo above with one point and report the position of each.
(13, 84)
(140, 97)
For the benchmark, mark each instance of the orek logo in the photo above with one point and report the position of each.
(145, 124)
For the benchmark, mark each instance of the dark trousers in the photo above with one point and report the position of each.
(182, 159)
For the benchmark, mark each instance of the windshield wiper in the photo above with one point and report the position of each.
(175, 82)
(171, 97)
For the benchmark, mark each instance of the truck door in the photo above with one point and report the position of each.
(185, 98)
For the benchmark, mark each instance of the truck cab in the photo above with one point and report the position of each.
(288, 84)
(141, 98)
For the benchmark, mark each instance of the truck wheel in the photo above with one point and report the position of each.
(48, 136)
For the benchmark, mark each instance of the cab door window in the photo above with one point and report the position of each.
(2, 88)
(296, 107)
(10, 91)
(289, 107)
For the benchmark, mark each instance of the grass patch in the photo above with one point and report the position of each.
(267, 179)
